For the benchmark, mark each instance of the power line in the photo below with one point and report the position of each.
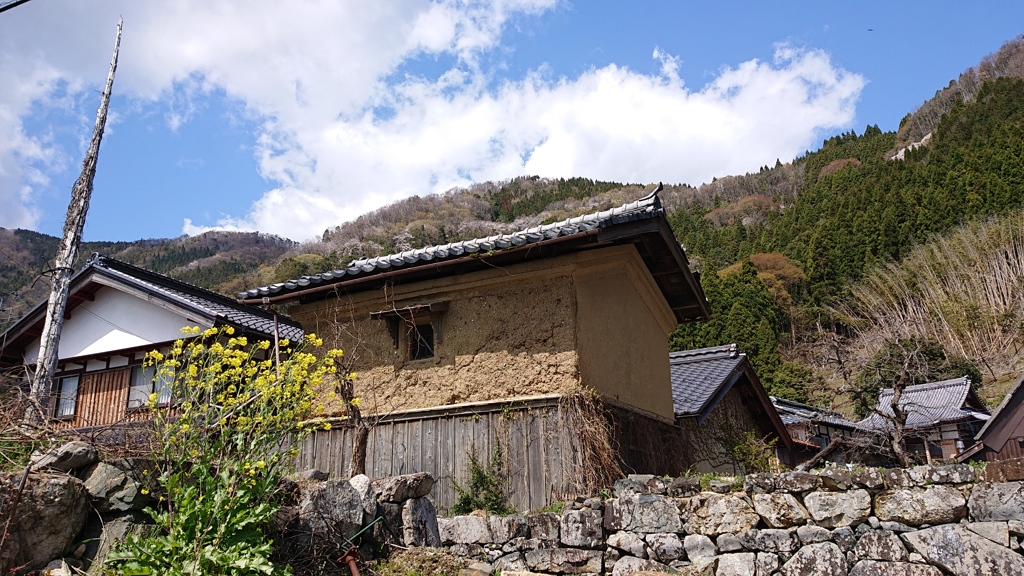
(5, 6)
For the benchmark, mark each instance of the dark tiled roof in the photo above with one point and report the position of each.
(793, 412)
(203, 301)
(648, 207)
(699, 375)
(997, 414)
(929, 404)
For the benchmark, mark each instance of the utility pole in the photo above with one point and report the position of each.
(67, 253)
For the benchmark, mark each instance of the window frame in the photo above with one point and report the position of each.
(59, 396)
(153, 385)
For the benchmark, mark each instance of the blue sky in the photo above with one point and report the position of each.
(292, 117)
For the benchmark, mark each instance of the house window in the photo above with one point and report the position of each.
(421, 341)
(67, 397)
(146, 381)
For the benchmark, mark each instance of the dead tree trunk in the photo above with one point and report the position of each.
(67, 253)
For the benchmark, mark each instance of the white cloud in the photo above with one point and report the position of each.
(312, 73)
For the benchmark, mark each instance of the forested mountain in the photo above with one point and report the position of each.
(813, 266)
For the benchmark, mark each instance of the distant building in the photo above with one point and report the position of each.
(813, 425)
(717, 396)
(1002, 436)
(117, 313)
(942, 417)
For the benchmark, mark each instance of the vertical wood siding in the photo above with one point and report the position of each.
(102, 398)
(540, 451)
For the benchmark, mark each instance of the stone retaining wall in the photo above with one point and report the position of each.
(923, 521)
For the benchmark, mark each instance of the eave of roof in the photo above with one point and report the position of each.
(999, 410)
(642, 223)
(167, 289)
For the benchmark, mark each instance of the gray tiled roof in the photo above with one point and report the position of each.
(793, 412)
(927, 405)
(698, 375)
(648, 207)
(203, 301)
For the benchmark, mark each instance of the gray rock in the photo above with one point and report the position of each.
(467, 550)
(514, 562)
(684, 487)
(505, 528)
(665, 547)
(630, 565)
(121, 485)
(728, 543)
(582, 528)
(481, 567)
(916, 506)
(70, 456)
(51, 511)
(896, 479)
(952, 474)
(628, 486)
(367, 493)
(748, 539)
(419, 523)
(780, 510)
(962, 552)
(759, 483)
(997, 502)
(874, 523)
(994, 531)
(1016, 527)
(698, 546)
(880, 545)
(844, 538)
(544, 526)
(310, 475)
(832, 509)
(776, 541)
(656, 485)
(714, 514)
(797, 482)
(825, 559)
(836, 478)
(767, 563)
(810, 534)
(566, 560)
(629, 543)
(398, 489)
(920, 475)
(592, 503)
(870, 478)
(876, 568)
(895, 526)
(720, 487)
(332, 510)
(647, 514)
(58, 568)
(743, 564)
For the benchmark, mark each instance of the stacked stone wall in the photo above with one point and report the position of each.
(923, 521)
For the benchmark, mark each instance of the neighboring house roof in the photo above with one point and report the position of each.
(701, 378)
(1002, 412)
(104, 271)
(1005, 425)
(793, 412)
(929, 404)
(642, 223)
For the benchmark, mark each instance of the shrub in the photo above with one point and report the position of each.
(485, 489)
(222, 446)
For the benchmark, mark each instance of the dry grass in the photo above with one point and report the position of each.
(597, 459)
(418, 562)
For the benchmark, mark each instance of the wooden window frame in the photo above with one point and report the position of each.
(410, 317)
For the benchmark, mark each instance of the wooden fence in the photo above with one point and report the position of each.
(538, 446)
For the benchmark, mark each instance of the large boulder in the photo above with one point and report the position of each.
(744, 564)
(665, 547)
(629, 543)
(121, 485)
(464, 530)
(880, 545)
(916, 506)
(330, 510)
(565, 560)
(834, 509)
(51, 510)
(419, 523)
(961, 552)
(797, 482)
(582, 529)
(648, 514)
(825, 559)
(997, 501)
(699, 546)
(543, 526)
(367, 492)
(780, 510)
(70, 456)
(398, 489)
(630, 565)
(876, 568)
(713, 514)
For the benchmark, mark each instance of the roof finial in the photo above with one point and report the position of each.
(653, 193)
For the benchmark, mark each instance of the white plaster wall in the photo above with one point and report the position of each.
(114, 321)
